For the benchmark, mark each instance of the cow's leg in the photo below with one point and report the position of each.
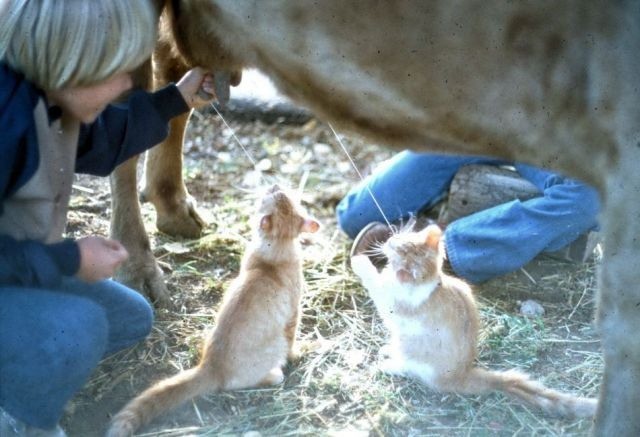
(141, 271)
(619, 315)
(164, 186)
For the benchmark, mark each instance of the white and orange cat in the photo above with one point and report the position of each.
(256, 324)
(433, 323)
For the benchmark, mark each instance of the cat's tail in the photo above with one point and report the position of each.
(160, 397)
(519, 385)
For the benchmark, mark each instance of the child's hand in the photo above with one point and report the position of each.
(192, 82)
(99, 258)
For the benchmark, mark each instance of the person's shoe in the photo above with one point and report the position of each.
(578, 251)
(369, 239)
(12, 427)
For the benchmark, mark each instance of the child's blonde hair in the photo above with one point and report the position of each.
(67, 43)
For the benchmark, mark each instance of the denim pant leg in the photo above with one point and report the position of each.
(504, 238)
(584, 198)
(52, 340)
(129, 314)
(406, 184)
(50, 343)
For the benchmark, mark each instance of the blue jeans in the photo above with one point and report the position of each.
(52, 340)
(488, 243)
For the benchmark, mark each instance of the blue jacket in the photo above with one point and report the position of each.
(120, 132)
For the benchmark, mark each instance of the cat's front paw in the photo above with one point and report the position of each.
(386, 351)
(392, 366)
(274, 377)
(361, 266)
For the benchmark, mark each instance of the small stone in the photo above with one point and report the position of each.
(322, 149)
(531, 308)
(265, 164)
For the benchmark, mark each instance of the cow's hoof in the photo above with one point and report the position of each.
(181, 220)
(145, 276)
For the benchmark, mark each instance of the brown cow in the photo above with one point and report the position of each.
(551, 83)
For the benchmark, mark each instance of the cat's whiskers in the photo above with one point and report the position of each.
(378, 246)
(371, 251)
(353, 164)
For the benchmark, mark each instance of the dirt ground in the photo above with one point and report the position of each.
(336, 389)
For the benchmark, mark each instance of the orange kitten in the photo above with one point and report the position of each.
(256, 323)
(433, 324)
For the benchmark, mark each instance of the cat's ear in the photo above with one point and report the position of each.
(432, 236)
(404, 276)
(310, 225)
(265, 223)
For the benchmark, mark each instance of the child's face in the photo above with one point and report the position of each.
(86, 103)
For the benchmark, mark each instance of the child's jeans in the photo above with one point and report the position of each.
(488, 243)
(52, 340)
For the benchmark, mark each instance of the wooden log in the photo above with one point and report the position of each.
(478, 187)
